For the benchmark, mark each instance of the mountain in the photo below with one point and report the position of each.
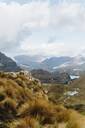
(7, 64)
(28, 62)
(75, 66)
(72, 65)
(55, 61)
(37, 62)
(24, 59)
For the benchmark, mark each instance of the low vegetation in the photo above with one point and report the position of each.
(71, 95)
(25, 104)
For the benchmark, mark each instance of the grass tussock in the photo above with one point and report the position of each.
(24, 104)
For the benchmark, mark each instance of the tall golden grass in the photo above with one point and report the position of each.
(23, 105)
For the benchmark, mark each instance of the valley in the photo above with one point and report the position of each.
(71, 95)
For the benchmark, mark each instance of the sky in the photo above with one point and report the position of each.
(42, 27)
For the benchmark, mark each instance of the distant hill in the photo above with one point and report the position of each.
(48, 77)
(53, 62)
(28, 62)
(72, 65)
(7, 64)
(37, 62)
(75, 66)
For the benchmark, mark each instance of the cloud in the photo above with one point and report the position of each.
(14, 17)
(70, 17)
(56, 48)
(34, 48)
(18, 23)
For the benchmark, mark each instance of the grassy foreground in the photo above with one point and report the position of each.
(24, 104)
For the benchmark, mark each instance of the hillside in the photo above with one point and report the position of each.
(7, 64)
(51, 77)
(79, 85)
(25, 104)
(71, 95)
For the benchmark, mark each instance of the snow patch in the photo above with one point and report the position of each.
(71, 93)
(74, 77)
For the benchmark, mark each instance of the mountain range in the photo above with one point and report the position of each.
(72, 65)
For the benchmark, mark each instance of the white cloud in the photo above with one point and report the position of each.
(69, 16)
(39, 14)
(13, 17)
(29, 46)
(33, 16)
(34, 48)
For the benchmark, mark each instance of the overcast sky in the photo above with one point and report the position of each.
(42, 27)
